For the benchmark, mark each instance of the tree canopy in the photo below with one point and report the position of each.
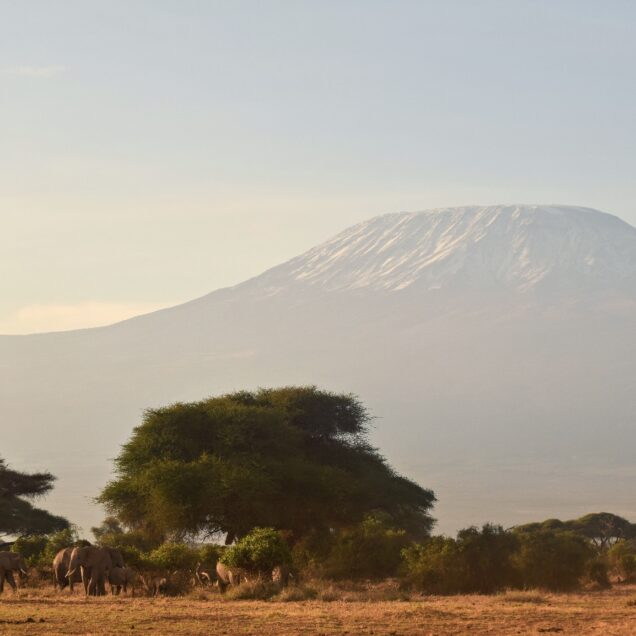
(17, 514)
(294, 459)
(603, 529)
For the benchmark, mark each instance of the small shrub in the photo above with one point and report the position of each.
(173, 556)
(627, 565)
(260, 552)
(32, 548)
(209, 554)
(554, 560)
(40, 550)
(622, 560)
(597, 573)
(477, 561)
(370, 550)
(311, 551)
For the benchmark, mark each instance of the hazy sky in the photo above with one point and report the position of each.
(152, 151)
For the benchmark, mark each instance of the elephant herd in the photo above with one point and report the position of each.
(92, 566)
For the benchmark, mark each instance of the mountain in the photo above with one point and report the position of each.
(496, 347)
(519, 248)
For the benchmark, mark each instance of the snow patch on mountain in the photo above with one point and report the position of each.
(521, 247)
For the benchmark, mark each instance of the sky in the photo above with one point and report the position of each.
(152, 151)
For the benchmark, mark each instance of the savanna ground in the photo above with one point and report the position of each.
(357, 612)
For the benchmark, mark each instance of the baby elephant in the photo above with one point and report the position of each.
(120, 578)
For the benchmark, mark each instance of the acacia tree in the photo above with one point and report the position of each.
(17, 514)
(602, 529)
(294, 459)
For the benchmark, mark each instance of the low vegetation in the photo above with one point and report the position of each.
(269, 512)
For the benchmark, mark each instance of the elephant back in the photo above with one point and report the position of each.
(116, 557)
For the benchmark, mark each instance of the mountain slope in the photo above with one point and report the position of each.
(496, 346)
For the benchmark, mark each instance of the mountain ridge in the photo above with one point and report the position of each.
(467, 381)
(395, 251)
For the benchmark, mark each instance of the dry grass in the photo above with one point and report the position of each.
(530, 596)
(38, 612)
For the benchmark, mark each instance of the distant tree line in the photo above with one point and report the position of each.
(287, 477)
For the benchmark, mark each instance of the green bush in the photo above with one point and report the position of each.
(208, 555)
(40, 550)
(311, 551)
(622, 559)
(554, 560)
(433, 566)
(31, 548)
(477, 561)
(173, 556)
(369, 550)
(259, 552)
(597, 572)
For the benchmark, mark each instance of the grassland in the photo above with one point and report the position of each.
(45, 612)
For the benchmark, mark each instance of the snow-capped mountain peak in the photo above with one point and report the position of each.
(519, 247)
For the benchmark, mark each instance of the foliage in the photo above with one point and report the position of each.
(260, 551)
(40, 550)
(17, 515)
(110, 526)
(597, 572)
(433, 566)
(602, 529)
(477, 561)
(311, 551)
(208, 555)
(31, 547)
(112, 534)
(555, 560)
(622, 559)
(294, 459)
(173, 556)
(368, 550)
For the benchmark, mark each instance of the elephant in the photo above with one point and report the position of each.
(116, 557)
(60, 568)
(120, 578)
(227, 576)
(94, 563)
(11, 562)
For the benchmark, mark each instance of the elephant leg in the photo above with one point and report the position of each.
(85, 580)
(9, 576)
(1, 581)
